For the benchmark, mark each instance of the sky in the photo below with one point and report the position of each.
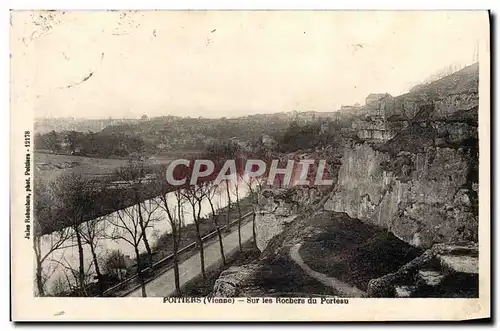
(101, 64)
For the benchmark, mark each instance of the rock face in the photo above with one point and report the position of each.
(423, 198)
(374, 128)
(279, 207)
(455, 102)
(445, 270)
(268, 225)
(411, 167)
(446, 96)
(414, 168)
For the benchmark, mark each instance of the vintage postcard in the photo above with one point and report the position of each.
(250, 165)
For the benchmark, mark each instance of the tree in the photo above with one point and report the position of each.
(54, 241)
(135, 173)
(219, 153)
(76, 196)
(60, 286)
(93, 231)
(174, 218)
(39, 141)
(71, 138)
(194, 195)
(52, 141)
(147, 219)
(74, 286)
(42, 213)
(211, 190)
(228, 214)
(237, 195)
(127, 228)
(254, 184)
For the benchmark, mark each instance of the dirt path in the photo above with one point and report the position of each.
(343, 289)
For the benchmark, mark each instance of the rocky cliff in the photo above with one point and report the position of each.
(423, 198)
(402, 217)
(422, 182)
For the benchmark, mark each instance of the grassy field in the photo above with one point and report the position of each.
(50, 166)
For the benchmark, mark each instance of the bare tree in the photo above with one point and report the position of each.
(174, 218)
(71, 283)
(180, 210)
(211, 190)
(127, 228)
(55, 241)
(228, 214)
(60, 286)
(92, 232)
(59, 239)
(254, 185)
(134, 174)
(147, 220)
(75, 285)
(76, 197)
(219, 153)
(238, 208)
(194, 195)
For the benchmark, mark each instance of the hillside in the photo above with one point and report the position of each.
(400, 220)
(450, 95)
(162, 135)
(465, 80)
(45, 125)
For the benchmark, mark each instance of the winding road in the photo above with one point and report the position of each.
(344, 289)
(164, 285)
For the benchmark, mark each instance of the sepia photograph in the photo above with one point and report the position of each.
(250, 160)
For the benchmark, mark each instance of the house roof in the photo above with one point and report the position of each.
(376, 95)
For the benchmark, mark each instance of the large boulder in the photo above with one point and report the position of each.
(230, 282)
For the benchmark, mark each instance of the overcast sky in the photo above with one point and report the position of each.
(215, 64)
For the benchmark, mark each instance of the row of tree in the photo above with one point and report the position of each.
(74, 201)
(102, 143)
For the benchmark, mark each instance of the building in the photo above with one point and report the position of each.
(375, 98)
(304, 116)
(378, 104)
(78, 151)
(352, 109)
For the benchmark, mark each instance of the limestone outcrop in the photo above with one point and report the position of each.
(445, 270)
(401, 219)
(232, 282)
(423, 198)
(278, 208)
